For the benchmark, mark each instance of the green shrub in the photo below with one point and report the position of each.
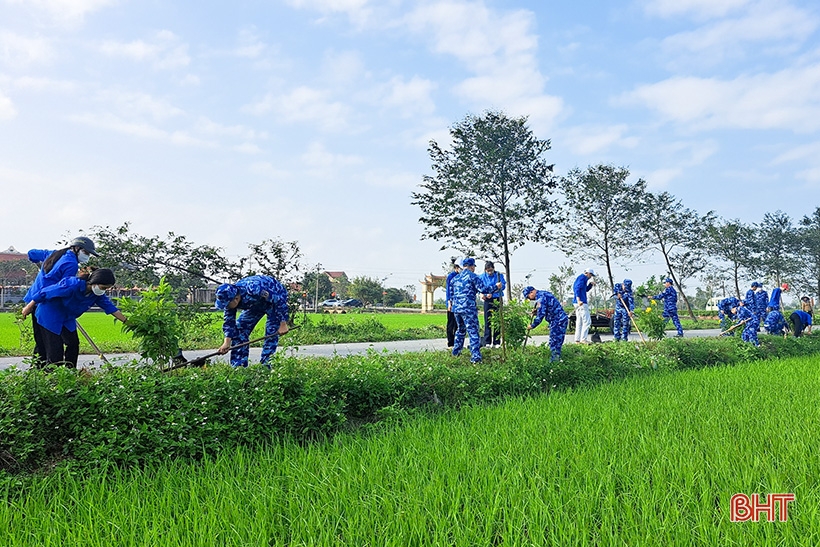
(135, 415)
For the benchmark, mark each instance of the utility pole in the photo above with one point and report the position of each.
(316, 297)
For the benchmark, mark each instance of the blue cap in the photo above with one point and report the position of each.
(668, 280)
(468, 262)
(755, 284)
(224, 294)
(527, 290)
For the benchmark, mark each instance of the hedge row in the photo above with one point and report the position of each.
(136, 415)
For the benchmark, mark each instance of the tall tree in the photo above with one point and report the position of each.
(602, 207)
(142, 261)
(678, 234)
(809, 233)
(274, 257)
(367, 289)
(491, 192)
(731, 241)
(778, 246)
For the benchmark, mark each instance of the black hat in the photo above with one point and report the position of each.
(102, 276)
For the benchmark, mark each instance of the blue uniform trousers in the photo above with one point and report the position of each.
(621, 325)
(467, 324)
(558, 331)
(245, 323)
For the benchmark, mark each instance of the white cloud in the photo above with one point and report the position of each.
(699, 9)
(343, 67)
(140, 129)
(20, 51)
(249, 46)
(586, 140)
(318, 158)
(391, 179)
(303, 104)
(789, 100)
(409, 97)
(357, 10)
(138, 105)
(499, 48)
(7, 110)
(164, 52)
(762, 23)
(660, 178)
(64, 11)
(44, 84)
(209, 127)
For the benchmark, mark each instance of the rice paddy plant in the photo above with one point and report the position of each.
(652, 460)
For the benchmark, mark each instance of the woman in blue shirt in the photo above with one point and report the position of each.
(54, 267)
(58, 306)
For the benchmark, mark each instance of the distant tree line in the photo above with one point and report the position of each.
(493, 192)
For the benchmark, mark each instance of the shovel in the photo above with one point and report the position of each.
(200, 361)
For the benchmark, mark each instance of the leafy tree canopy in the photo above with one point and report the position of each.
(491, 191)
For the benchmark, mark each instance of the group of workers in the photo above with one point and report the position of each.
(462, 285)
(757, 309)
(63, 290)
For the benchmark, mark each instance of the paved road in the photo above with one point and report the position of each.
(329, 350)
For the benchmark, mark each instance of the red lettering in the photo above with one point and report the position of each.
(739, 508)
(759, 507)
(784, 500)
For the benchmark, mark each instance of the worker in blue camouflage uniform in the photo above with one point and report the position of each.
(624, 306)
(750, 295)
(670, 304)
(466, 286)
(775, 323)
(761, 301)
(256, 296)
(726, 315)
(745, 313)
(548, 307)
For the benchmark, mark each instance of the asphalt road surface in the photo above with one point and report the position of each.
(330, 350)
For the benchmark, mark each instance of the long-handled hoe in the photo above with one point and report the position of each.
(200, 361)
(632, 318)
(91, 342)
(730, 329)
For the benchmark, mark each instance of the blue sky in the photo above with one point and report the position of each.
(308, 120)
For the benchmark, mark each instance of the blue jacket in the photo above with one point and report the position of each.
(580, 288)
(669, 297)
(466, 286)
(805, 317)
(66, 267)
(774, 300)
(547, 307)
(448, 287)
(261, 294)
(61, 304)
(491, 280)
(750, 298)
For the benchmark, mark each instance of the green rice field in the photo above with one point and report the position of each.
(108, 334)
(651, 460)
